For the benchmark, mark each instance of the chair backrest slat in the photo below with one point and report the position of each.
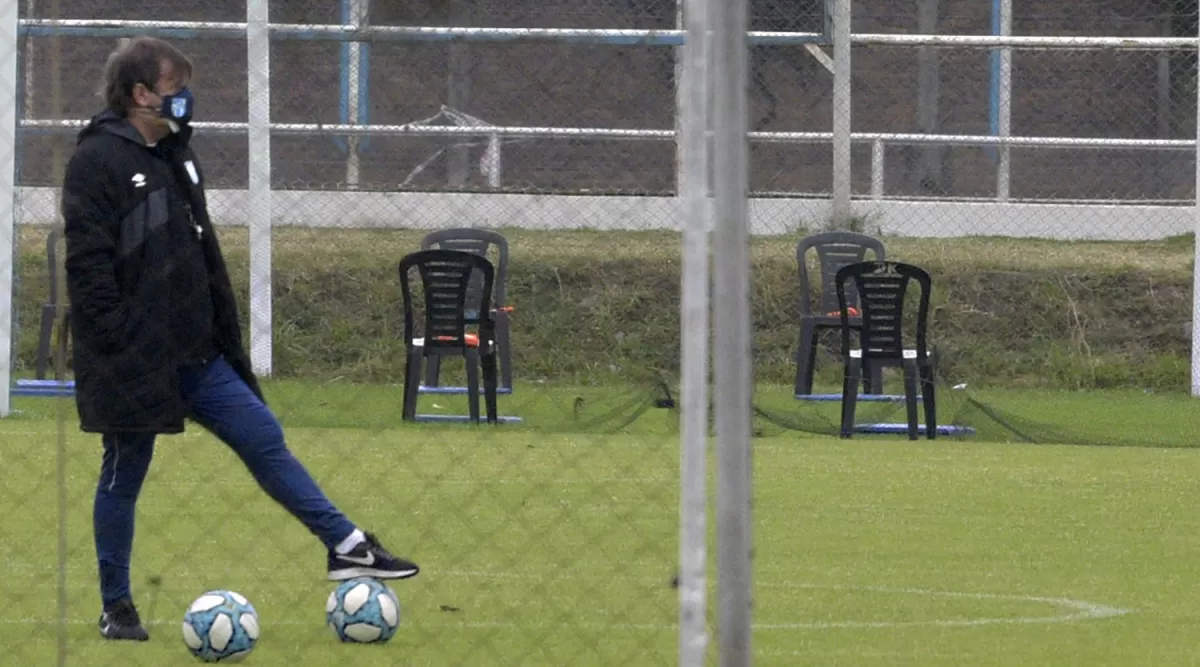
(882, 288)
(835, 250)
(446, 279)
(478, 242)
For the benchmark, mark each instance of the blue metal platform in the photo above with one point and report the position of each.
(463, 419)
(44, 388)
(902, 429)
(879, 398)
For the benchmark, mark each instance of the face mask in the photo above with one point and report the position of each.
(177, 109)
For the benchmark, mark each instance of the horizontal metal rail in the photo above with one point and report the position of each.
(321, 129)
(978, 140)
(1028, 41)
(348, 33)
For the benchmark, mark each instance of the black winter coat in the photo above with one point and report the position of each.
(115, 207)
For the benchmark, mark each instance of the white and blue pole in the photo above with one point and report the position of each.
(354, 87)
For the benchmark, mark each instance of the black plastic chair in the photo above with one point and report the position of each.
(834, 251)
(446, 277)
(479, 242)
(50, 309)
(882, 287)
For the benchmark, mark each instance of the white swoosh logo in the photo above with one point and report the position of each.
(368, 560)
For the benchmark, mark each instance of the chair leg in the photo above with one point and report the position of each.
(49, 313)
(504, 349)
(806, 357)
(850, 395)
(910, 399)
(874, 379)
(412, 381)
(488, 361)
(930, 401)
(432, 371)
(472, 356)
(62, 359)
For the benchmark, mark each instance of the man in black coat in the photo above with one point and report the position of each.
(155, 324)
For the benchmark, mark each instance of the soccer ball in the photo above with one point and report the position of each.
(220, 626)
(363, 610)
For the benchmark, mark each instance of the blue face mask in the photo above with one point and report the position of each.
(178, 108)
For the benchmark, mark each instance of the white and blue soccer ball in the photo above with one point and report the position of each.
(363, 610)
(220, 626)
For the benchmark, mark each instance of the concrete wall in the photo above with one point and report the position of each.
(768, 216)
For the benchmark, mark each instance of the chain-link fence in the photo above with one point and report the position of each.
(554, 540)
(539, 544)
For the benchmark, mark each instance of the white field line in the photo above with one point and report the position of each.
(1071, 610)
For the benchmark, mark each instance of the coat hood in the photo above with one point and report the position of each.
(114, 123)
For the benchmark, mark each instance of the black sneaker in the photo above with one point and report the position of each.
(369, 559)
(120, 621)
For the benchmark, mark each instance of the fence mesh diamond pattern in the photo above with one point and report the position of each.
(552, 539)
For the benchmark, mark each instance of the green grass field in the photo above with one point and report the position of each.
(543, 546)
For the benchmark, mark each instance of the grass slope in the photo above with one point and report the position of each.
(599, 306)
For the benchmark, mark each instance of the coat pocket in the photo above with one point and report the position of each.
(135, 388)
